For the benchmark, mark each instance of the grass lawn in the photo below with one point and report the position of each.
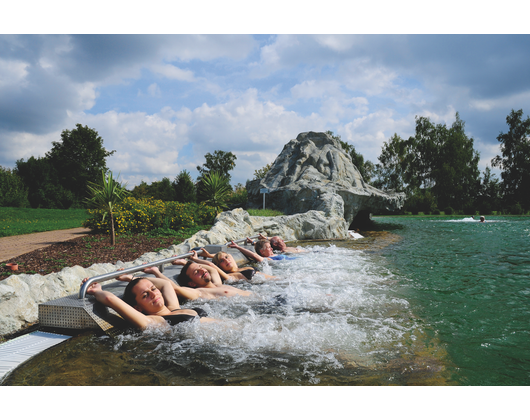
(19, 221)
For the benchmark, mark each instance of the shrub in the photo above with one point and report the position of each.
(134, 215)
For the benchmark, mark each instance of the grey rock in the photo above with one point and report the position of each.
(314, 173)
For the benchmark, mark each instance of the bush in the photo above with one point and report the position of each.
(147, 215)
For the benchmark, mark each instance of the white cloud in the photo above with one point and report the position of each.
(173, 72)
(361, 75)
(154, 90)
(245, 123)
(315, 89)
(13, 72)
(336, 42)
(503, 102)
(368, 133)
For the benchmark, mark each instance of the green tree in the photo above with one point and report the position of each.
(185, 190)
(515, 160)
(141, 190)
(389, 172)
(421, 155)
(455, 173)
(260, 173)
(220, 162)
(13, 192)
(78, 159)
(162, 190)
(489, 197)
(437, 166)
(105, 196)
(44, 189)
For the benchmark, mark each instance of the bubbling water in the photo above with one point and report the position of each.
(334, 315)
(329, 306)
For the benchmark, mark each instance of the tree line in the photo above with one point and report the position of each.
(67, 175)
(437, 169)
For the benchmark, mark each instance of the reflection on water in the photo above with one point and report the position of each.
(336, 316)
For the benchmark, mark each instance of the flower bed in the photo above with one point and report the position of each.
(146, 215)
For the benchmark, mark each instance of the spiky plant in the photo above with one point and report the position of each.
(106, 196)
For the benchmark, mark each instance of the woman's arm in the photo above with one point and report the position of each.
(246, 252)
(161, 282)
(135, 317)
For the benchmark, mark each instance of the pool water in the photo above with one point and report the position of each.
(419, 301)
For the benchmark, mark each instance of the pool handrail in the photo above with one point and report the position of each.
(242, 240)
(135, 269)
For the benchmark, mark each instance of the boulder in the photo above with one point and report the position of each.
(313, 172)
(238, 224)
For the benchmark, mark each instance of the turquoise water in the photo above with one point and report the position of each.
(470, 283)
(419, 301)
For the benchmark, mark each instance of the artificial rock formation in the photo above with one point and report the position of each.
(314, 173)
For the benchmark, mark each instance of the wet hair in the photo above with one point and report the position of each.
(183, 279)
(260, 245)
(129, 296)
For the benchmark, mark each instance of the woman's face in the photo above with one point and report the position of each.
(227, 262)
(149, 300)
(266, 251)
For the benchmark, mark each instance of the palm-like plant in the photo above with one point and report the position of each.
(106, 196)
(215, 188)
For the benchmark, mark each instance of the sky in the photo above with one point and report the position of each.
(163, 99)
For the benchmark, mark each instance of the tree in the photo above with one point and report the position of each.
(389, 172)
(456, 173)
(13, 192)
(260, 173)
(220, 162)
(106, 196)
(44, 189)
(141, 190)
(185, 191)
(490, 193)
(78, 159)
(515, 160)
(437, 166)
(162, 190)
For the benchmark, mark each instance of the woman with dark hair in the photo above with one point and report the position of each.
(147, 301)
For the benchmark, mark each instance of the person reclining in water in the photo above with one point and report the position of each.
(229, 267)
(278, 244)
(204, 280)
(147, 302)
(263, 251)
